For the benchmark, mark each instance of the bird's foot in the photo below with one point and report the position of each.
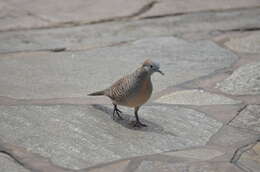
(117, 111)
(138, 124)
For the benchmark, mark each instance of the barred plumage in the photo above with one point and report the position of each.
(132, 90)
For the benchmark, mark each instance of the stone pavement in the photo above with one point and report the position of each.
(204, 114)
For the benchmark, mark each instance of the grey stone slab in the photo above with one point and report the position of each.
(243, 81)
(203, 154)
(155, 166)
(232, 137)
(74, 74)
(98, 35)
(249, 118)
(82, 136)
(166, 7)
(250, 160)
(246, 44)
(195, 97)
(7, 164)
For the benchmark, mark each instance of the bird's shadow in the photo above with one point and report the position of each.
(129, 124)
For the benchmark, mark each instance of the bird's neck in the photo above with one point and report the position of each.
(140, 73)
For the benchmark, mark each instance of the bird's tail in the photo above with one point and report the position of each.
(98, 93)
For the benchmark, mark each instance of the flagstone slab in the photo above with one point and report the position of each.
(113, 33)
(166, 7)
(80, 136)
(249, 118)
(155, 166)
(42, 75)
(16, 14)
(115, 167)
(243, 81)
(7, 164)
(250, 160)
(233, 137)
(203, 154)
(195, 97)
(246, 44)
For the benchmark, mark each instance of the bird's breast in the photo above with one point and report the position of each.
(140, 94)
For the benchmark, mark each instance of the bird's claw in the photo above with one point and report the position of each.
(138, 124)
(117, 111)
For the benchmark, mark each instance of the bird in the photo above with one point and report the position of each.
(132, 90)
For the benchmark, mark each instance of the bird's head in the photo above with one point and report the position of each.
(151, 67)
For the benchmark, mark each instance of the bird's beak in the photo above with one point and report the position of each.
(158, 70)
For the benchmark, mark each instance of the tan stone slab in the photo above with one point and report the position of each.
(158, 166)
(232, 137)
(195, 97)
(45, 11)
(115, 167)
(250, 160)
(246, 44)
(203, 154)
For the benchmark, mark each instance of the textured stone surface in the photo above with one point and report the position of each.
(249, 118)
(9, 165)
(98, 35)
(164, 7)
(250, 160)
(74, 74)
(195, 97)
(203, 154)
(232, 137)
(244, 81)
(155, 166)
(115, 167)
(82, 136)
(247, 44)
(12, 16)
(17, 14)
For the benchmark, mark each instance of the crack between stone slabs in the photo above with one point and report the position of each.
(228, 70)
(133, 165)
(138, 159)
(238, 153)
(142, 10)
(64, 49)
(246, 130)
(196, 12)
(30, 159)
(195, 108)
(186, 84)
(15, 159)
(238, 112)
(245, 29)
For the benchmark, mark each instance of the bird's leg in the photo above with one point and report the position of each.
(138, 123)
(117, 111)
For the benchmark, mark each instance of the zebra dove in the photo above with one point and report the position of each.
(132, 90)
